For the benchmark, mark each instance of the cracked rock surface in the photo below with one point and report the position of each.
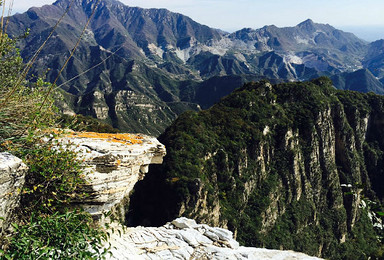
(185, 239)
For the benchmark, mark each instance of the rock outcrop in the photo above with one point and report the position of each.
(113, 164)
(184, 239)
(12, 177)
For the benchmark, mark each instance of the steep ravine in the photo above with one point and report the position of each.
(289, 166)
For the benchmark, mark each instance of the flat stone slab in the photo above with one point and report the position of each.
(185, 239)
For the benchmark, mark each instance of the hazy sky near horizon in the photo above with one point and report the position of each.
(231, 15)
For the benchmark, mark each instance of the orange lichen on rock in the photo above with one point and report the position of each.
(127, 139)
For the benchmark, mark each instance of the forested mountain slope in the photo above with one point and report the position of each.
(288, 166)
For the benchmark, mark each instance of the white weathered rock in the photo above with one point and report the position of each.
(12, 178)
(184, 223)
(184, 239)
(112, 168)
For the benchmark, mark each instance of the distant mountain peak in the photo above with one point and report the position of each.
(60, 2)
(66, 3)
(81, 1)
(378, 44)
(306, 22)
(307, 25)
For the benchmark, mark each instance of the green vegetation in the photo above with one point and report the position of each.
(53, 179)
(21, 108)
(69, 235)
(46, 226)
(264, 156)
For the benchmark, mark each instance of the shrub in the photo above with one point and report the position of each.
(53, 179)
(59, 236)
(21, 103)
(48, 226)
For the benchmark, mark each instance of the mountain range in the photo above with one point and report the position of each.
(137, 69)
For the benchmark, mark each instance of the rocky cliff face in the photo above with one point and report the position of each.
(290, 166)
(113, 164)
(12, 177)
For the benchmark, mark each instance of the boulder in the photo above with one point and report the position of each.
(12, 178)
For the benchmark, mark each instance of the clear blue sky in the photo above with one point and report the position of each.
(231, 15)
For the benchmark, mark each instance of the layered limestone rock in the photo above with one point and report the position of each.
(114, 163)
(12, 178)
(184, 239)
